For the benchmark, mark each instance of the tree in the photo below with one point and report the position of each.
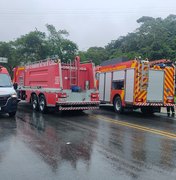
(36, 46)
(96, 54)
(59, 45)
(154, 39)
(31, 47)
(8, 50)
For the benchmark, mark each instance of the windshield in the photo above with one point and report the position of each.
(5, 80)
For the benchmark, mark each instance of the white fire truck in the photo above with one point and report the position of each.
(63, 86)
(137, 84)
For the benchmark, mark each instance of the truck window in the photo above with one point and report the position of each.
(5, 80)
(118, 85)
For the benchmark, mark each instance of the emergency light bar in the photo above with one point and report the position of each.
(3, 60)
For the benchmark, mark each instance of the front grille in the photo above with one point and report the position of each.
(3, 100)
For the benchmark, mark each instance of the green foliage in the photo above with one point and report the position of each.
(8, 50)
(154, 39)
(59, 45)
(37, 45)
(96, 54)
(31, 47)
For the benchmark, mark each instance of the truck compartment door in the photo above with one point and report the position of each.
(155, 90)
(108, 83)
(101, 86)
(129, 85)
(105, 86)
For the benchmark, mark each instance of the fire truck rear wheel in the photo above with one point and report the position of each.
(34, 101)
(42, 104)
(118, 105)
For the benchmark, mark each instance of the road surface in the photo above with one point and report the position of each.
(88, 145)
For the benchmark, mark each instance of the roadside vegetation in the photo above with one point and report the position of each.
(154, 39)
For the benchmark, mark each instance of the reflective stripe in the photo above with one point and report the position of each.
(169, 83)
(77, 108)
(153, 104)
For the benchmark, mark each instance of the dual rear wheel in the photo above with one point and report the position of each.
(39, 103)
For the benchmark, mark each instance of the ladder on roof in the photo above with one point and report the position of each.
(74, 72)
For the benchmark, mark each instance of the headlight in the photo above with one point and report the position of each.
(14, 95)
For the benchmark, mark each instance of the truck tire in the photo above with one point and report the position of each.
(42, 104)
(12, 114)
(118, 105)
(34, 101)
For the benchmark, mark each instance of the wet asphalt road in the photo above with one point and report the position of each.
(91, 146)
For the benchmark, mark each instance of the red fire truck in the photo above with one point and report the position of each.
(137, 84)
(63, 86)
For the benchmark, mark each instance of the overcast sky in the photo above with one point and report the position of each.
(90, 23)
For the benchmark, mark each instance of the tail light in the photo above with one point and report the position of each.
(139, 100)
(94, 95)
(62, 95)
(170, 99)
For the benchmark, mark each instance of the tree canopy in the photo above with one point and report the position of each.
(38, 45)
(155, 38)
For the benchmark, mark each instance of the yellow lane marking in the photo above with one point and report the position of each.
(135, 126)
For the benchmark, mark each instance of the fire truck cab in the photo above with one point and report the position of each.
(8, 96)
(137, 84)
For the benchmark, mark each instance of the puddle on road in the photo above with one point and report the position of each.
(50, 147)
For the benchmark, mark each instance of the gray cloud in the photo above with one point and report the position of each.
(90, 23)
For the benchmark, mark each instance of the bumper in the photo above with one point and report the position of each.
(154, 104)
(64, 106)
(10, 106)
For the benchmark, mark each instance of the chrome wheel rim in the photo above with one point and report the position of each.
(34, 103)
(118, 105)
(42, 104)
